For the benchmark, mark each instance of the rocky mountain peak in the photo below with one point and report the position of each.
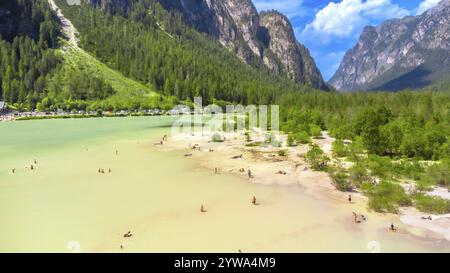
(401, 53)
(285, 54)
(267, 38)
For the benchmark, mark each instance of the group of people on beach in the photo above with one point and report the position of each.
(32, 167)
(128, 234)
(163, 139)
(102, 171)
(361, 218)
(356, 218)
(249, 172)
(254, 202)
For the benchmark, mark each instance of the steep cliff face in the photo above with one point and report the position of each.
(283, 52)
(267, 38)
(234, 23)
(404, 53)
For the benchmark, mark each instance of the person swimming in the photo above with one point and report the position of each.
(202, 209)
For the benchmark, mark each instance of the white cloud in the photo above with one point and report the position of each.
(290, 8)
(426, 5)
(348, 17)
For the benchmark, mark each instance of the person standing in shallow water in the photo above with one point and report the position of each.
(393, 228)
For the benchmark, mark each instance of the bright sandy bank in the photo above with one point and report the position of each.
(265, 165)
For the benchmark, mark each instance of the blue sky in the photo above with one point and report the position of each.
(329, 28)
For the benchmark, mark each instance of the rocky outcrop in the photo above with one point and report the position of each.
(267, 38)
(283, 52)
(403, 53)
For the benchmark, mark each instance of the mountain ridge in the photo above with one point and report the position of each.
(238, 26)
(411, 52)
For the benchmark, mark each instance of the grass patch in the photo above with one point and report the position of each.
(127, 91)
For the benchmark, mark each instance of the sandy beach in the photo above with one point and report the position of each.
(270, 169)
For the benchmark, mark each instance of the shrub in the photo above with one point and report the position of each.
(217, 137)
(316, 157)
(315, 130)
(431, 204)
(341, 181)
(290, 140)
(339, 148)
(282, 153)
(355, 149)
(386, 196)
(302, 137)
(440, 173)
(358, 174)
(380, 166)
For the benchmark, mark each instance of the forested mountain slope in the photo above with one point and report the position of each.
(151, 45)
(237, 26)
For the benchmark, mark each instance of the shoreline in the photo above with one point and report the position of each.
(268, 168)
(12, 118)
